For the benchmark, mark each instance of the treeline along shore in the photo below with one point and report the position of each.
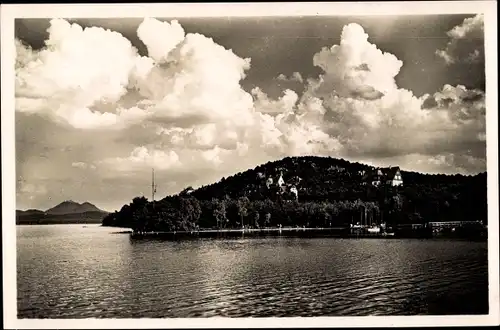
(315, 196)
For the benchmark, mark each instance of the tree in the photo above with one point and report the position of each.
(138, 212)
(219, 212)
(256, 218)
(190, 212)
(267, 219)
(186, 191)
(397, 202)
(242, 208)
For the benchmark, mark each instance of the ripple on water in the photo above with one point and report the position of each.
(65, 275)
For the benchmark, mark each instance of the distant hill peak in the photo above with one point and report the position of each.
(71, 207)
(30, 211)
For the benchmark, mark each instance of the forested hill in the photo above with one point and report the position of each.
(326, 178)
(329, 191)
(320, 176)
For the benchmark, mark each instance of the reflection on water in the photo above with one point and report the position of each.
(67, 271)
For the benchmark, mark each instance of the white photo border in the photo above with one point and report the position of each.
(10, 12)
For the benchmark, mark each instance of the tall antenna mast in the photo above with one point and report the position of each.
(153, 186)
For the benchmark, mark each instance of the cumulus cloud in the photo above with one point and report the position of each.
(356, 68)
(188, 83)
(197, 97)
(81, 70)
(83, 165)
(296, 76)
(266, 105)
(451, 163)
(141, 157)
(466, 43)
(370, 115)
(462, 105)
(437, 163)
(160, 37)
(202, 136)
(202, 81)
(77, 68)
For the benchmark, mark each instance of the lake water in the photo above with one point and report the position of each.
(68, 271)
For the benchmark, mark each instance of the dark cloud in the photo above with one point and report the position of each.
(429, 102)
(366, 93)
(362, 67)
(446, 101)
(472, 96)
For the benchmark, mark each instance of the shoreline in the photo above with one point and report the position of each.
(45, 223)
(293, 232)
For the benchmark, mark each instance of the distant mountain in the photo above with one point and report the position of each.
(64, 213)
(29, 212)
(70, 207)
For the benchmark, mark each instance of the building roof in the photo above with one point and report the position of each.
(390, 172)
(278, 176)
(378, 173)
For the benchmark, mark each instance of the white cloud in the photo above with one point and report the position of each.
(160, 37)
(356, 68)
(213, 155)
(83, 165)
(77, 69)
(265, 105)
(468, 26)
(369, 114)
(201, 81)
(79, 164)
(142, 157)
(450, 163)
(200, 107)
(438, 163)
(296, 76)
(466, 42)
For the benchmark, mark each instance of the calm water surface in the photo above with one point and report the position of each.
(68, 271)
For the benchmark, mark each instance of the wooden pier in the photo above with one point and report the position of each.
(405, 231)
(339, 232)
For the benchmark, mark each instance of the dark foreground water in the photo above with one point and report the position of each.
(68, 271)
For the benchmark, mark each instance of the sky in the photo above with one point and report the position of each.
(100, 102)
